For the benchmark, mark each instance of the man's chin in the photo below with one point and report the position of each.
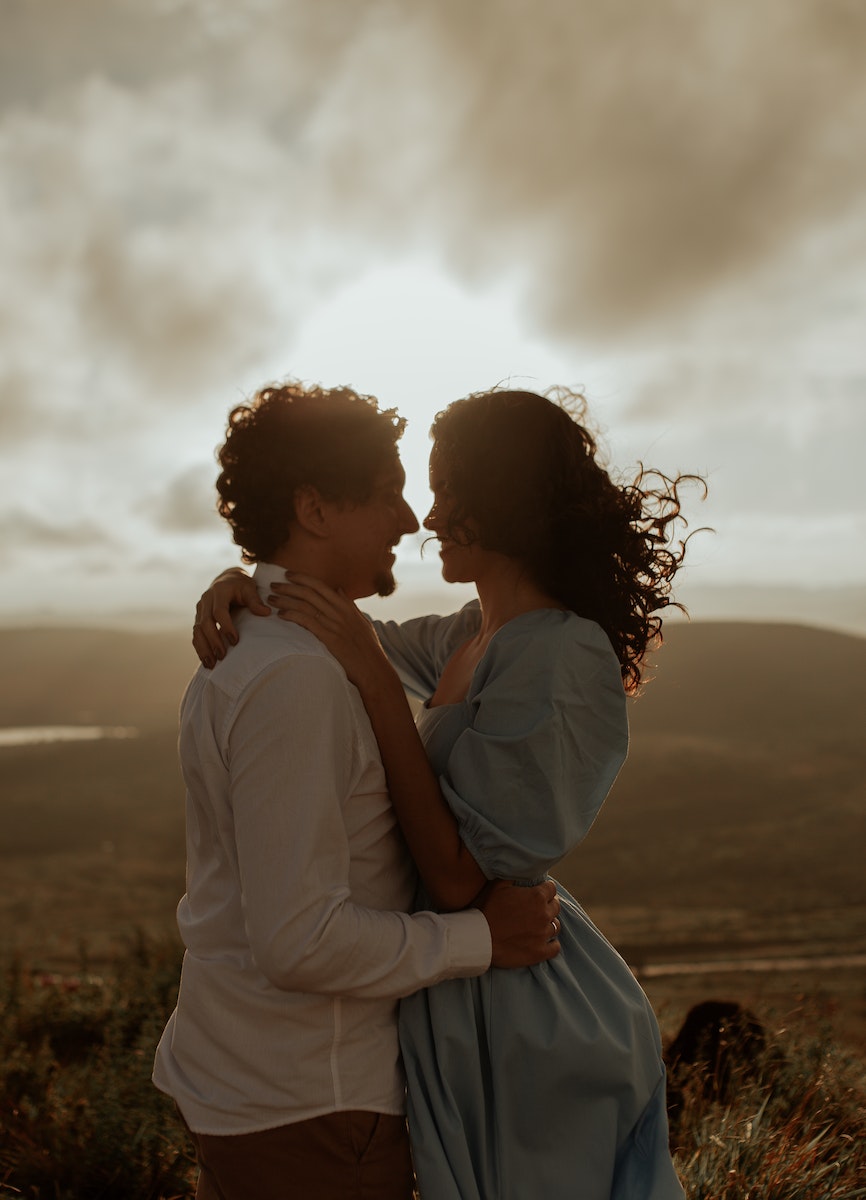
(385, 584)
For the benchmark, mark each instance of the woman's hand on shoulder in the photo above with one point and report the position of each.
(340, 625)
(214, 628)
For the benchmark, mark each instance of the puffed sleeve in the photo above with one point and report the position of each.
(419, 649)
(548, 733)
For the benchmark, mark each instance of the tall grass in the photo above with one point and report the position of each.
(790, 1125)
(80, 1119)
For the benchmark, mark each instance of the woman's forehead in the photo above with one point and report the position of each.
(436, 465)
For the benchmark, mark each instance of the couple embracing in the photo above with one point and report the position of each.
(356, 946)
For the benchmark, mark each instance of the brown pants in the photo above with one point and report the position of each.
(340, 1156)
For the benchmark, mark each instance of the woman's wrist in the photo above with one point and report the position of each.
(381, 686)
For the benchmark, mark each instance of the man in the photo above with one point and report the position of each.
(282, 1053)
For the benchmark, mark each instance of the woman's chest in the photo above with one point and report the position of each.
(457, 674)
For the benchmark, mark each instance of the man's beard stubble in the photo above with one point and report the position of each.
(385, 584)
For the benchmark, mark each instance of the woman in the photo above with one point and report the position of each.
(545, 1082)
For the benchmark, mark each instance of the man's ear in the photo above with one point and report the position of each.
(312, 511)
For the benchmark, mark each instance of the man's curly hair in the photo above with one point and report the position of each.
(290, 435)
(526, 481)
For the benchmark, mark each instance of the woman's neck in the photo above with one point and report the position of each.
(506, 591)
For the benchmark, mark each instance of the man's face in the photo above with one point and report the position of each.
(367, 533)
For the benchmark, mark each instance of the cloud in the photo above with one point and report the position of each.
(29, 532)
(621, 158)
(774, 443)
(117, 230)
(188, 504)
(49, 46)
(638, 154)
(186, 185)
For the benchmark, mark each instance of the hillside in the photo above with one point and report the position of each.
(88, 676)
(734, 681)
(740, 816)
(740, 680)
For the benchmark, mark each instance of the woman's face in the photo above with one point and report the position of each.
(460, 562)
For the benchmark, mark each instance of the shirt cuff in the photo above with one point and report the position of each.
(470, 948)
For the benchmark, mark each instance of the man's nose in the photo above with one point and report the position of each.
(410, 521)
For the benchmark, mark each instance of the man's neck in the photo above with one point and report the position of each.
(301, 561)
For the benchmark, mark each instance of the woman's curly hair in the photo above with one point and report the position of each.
(526, 480)
(290, 435)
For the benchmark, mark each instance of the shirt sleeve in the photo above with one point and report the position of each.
(419, 649)
(292, 766)
(548, 734)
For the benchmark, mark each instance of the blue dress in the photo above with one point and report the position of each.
(545, 1082)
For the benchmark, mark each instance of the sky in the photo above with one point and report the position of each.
(662, 204)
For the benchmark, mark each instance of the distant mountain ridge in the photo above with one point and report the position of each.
(756, 681)
(711, 678)
(842, 607)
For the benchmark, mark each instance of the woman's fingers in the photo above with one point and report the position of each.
(206, 639)
(232, 591)
(309, 584)
(214, 626)
(335, 620)
(303, 593)
(201, 645)
(304, 612)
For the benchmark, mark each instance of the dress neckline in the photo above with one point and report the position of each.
(532, 612)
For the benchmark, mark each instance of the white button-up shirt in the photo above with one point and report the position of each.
(298, 944)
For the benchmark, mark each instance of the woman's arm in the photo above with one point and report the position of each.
(214, 627)
(450, 874)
